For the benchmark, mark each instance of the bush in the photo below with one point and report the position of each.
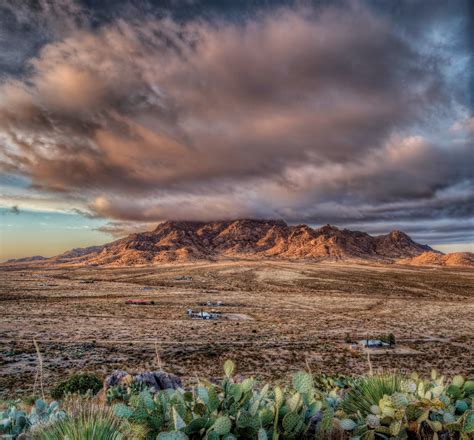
(30, 400)
(389, 339)
(80, 383)
(86, 420)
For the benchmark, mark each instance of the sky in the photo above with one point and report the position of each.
(114, 117)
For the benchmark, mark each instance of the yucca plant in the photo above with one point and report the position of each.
(368, 391)
(85, 421)
(409, 407)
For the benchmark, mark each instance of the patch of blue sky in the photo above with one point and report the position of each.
(8, 180)
(28, 232)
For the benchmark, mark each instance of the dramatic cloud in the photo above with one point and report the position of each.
(120, 229)
(331, 114)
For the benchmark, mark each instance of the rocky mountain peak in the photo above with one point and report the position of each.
(243, 238)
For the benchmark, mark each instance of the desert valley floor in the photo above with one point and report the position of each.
(276, 317)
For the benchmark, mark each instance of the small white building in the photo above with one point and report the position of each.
(202, 315)
(373, 343)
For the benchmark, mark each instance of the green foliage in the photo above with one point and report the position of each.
(369, 391)
(222, 425)
(30, 400)
(123, 392)
(88, 422)
(302, 382)
(392, 406)
(386, 406)
(230, 409)
(14, 421)
(380, 406)
(229, 368)
(80, 383)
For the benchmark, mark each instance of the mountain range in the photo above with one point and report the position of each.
(186, 241)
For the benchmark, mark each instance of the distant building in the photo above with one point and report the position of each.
(184, 278)
(202, 315)
(374, 343)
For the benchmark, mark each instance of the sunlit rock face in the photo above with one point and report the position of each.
(183, 241)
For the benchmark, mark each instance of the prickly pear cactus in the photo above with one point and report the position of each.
(290, 421)
(461, 406)
(327, 420)
(375, 409)
(302, 382)
(172, 435)
(408, 386)
(458, 381)
(448, 418)
(372, 420)
(347, 424)
(469, 387)
(468, 426)
(229, 368)
(385, 406)
(222, 425)
(399, 400)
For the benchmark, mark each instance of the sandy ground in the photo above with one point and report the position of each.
(280, 316)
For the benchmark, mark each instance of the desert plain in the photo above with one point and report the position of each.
(276, 317)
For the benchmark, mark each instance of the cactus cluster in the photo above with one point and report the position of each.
(231, 409)
(14, 421)
(386, 406)
(380, 406)
(394, 407)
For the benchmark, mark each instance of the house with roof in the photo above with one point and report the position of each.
(202, 315)
(374, 343)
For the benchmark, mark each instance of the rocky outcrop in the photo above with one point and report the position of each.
(152, 380)
(459, 259)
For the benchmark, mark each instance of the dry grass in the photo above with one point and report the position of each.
(300, 314)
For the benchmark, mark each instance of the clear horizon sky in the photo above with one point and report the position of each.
(116, 115)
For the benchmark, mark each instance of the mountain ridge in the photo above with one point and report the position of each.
(184, 241)
(458, 259)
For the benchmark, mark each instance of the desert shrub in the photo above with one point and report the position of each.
(30, 400)
(80, 383)
(389, 339)
(86, 420)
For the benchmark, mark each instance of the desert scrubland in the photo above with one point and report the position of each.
(276, 318)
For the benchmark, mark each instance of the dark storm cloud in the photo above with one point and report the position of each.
(302, 113)
(28, 24)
